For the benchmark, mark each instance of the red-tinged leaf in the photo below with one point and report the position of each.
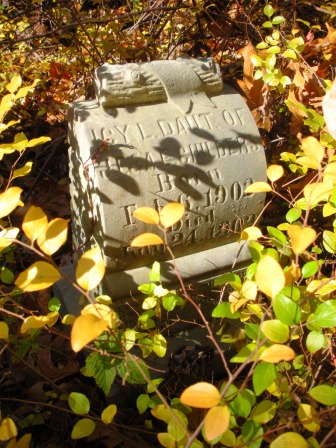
(146, 239)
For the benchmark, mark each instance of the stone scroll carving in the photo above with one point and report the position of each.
(159, 132)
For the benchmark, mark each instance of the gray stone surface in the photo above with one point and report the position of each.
(160, 132)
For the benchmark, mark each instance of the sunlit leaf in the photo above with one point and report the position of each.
(325, 314)
(20, 141)
(146, 239)
(37, 141)
(23, 171)
(301, 237)
(159, 345)
(7, 429)
(329, 109)
(33, 322)
(275, 330)
(14, 84)
(103, 312)
(329, 173)
(24, 90)
(108, 414)
(258, 187)
(289, 439)
(249, 290)
(83, 428)
(274, 172)
(90, 269)
(79, 403)
(53, 236)
(85, 329)
(39, 275)
(329, 241)
(9, 200)
(251, 233)
(166, 440)
(147, 214)
(270, 278)
(34, 222)
(216, 422)
(276, 353)
(4, 330)
(171, 214)
(313, 148)
(317, 192)
(201, 395)
(7, 236)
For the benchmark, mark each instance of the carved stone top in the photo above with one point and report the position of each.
(183, 82)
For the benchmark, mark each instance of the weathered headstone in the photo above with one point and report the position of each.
(159, 132)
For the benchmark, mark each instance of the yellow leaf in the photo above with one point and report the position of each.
(14, 84)
(147, 214)
(328, 210)
(37, 141)
(108, 414)
(23, 171)
(270, 278)
(308, 162)
(171, 214)
(317, 191)
(329, 173)
(313, 149)
(39, 275)
(249, 290)
(301, 237)
(6, 103)
(258, 187)
(235, 306)
(9, 200)
(216, 422)
(4, 331)
(7, 429)
(90, 269)
(309, 417)
(201, 395)
(289, 439)
(34, 222)
(24, 90)
(146, 239)
(53, 236)
(251, 233)
(276, 353)
(20, 142)
(103, 312)
(85, 329)
(23, 442)
(33, 322)
(4, 126)
(274, 172)
(68, 319)
(292, 274)
(7, 236)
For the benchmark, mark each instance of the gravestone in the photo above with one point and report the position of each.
(160, 132)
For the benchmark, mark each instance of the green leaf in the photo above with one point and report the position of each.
(263, 376)
(268, 10)
(244, 353)
(315, 341)
(174, 427)
(100, 368)
(83, 428)
(147, 288)
(286, 310)
(262, 46)
(159, 345)
(154, 274)
(325, 314)
(309, 269)
(79, 403)
(54, 304)
(267, 24)
(6, 276)
(253, 331)
(324, 394)
(275, 330)
(289, 439)
(252, 434)
(329, 241)
(277, 20)
(223, 310)
(264, 411)
(169, 301)
(130, 371)
(293, 215)
(242, 404)
(142, 403)
(232, 279)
